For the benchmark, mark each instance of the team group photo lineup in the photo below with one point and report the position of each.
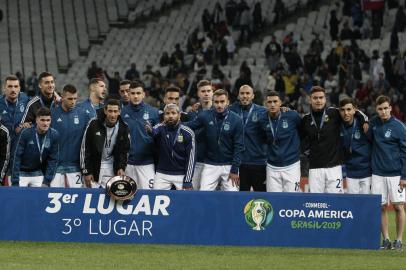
(222, 101)
(52, 140)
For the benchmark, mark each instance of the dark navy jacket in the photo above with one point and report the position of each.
(284, 147)
(255, 146)
(176, 150)
(71, 126)
(357, 151)
(88, 107)
(388, 148)
(11, 114)
(142, 144)
(26, 159)
(223, 137)
(200, 137)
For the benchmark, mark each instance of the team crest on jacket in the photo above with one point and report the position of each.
(47, 143)
(146, 116)
(180, 138)
(22, 108)
(226, 126)
(326, 118)
(285, 124)
(357, 134)
(388, 133)
(255, 118)
(76, 120)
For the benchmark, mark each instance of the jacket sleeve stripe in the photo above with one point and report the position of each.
(32, 101)
(83, 146)
(3, 170)
(190, 167)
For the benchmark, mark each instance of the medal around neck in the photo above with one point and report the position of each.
(121, 188)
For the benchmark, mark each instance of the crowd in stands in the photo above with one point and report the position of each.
(347, 70)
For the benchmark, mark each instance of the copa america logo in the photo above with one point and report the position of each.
(258, 214)
(121, 188)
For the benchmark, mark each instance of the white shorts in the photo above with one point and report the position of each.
(72, 180)
(212, 175)
(106, 172)
(197, 175)
(389, 187)
(326, 180)
(31, 181)
(142, 174)
(359, 185)
(165, 181)
(283, 179)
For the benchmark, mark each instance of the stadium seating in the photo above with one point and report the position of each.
(64, 37)
(55, 35)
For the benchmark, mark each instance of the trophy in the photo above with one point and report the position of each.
(258, 215)
(121, 188)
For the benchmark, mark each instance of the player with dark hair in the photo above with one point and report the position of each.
(321, 130)
(357, 150)
(70, 122)
(47, 98)
(205, 94)
(97, 93)
(282, 136)
(12, 106)
(124, 92)
(253, 158)
(176, 151)
(389, 167)
(172, 96)
(141, 156)
(37, 153)
(105, 146)
(224, 142)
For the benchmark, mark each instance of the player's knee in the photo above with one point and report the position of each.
(398, 207)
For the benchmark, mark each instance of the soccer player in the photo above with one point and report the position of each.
(389, 167)
(47, 98)
(12, 106)
(70, 122)
(97, 89)
(172, 96)
(205, 94)
(105, 146)
(4, 150)
(224, 142)
(176, 147)
(357, 150)
(37, 153)
(321, 130)
(141, 159)
(124, 92)
(282, 136)
(253, 158)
